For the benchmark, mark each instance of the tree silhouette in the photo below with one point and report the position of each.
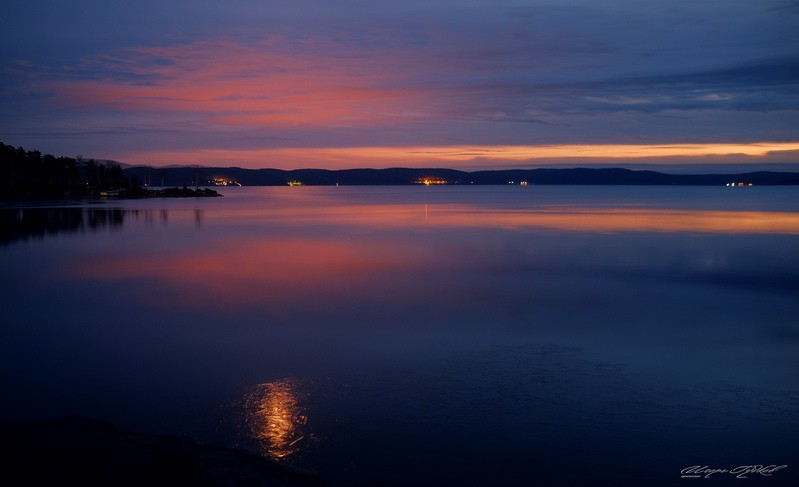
(29, 174)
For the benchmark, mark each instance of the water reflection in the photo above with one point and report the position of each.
(253, 271)
(276, 418)
(629, 220)
(22, 224)
(330, 254)
(559, 321)
(578, 219)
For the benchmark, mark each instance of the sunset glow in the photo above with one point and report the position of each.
(407, 243)
(456, 156)
(497, 85)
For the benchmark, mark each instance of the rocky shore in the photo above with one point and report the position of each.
(180, 193)
(79, 451)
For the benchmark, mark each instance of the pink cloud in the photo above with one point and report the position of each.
(271, 83)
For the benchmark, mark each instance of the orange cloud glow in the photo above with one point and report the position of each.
(295, 89)
(338, 157)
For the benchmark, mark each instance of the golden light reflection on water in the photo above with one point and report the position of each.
(276, 418)
(568, 217)
(612, 220)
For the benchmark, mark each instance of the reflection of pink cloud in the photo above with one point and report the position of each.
(274, 273)
(279, 272)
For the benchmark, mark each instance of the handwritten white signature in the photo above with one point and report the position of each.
(741, 472)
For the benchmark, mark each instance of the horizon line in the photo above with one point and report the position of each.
(473, 155)
(467, 171)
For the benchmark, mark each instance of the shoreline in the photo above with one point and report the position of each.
(85, 451)
(112, 195)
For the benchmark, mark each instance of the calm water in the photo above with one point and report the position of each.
(423, 336)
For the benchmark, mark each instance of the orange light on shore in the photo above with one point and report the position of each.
(431, 181)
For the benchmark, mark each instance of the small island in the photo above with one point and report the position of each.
(29, 175)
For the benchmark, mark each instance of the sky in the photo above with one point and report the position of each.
(683, 85)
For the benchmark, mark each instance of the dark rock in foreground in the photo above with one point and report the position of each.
(77, 451)
(180, 193)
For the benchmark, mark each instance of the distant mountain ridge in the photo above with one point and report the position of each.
(172, 176)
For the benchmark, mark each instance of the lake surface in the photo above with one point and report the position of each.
(422, 336)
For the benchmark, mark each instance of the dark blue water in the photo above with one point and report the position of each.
(423, 336)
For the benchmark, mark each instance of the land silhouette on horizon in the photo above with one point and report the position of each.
(29, 174)
(225, 176)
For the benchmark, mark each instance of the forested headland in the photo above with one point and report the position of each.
(29, 174)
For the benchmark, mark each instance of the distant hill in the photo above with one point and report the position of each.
(178, 176)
